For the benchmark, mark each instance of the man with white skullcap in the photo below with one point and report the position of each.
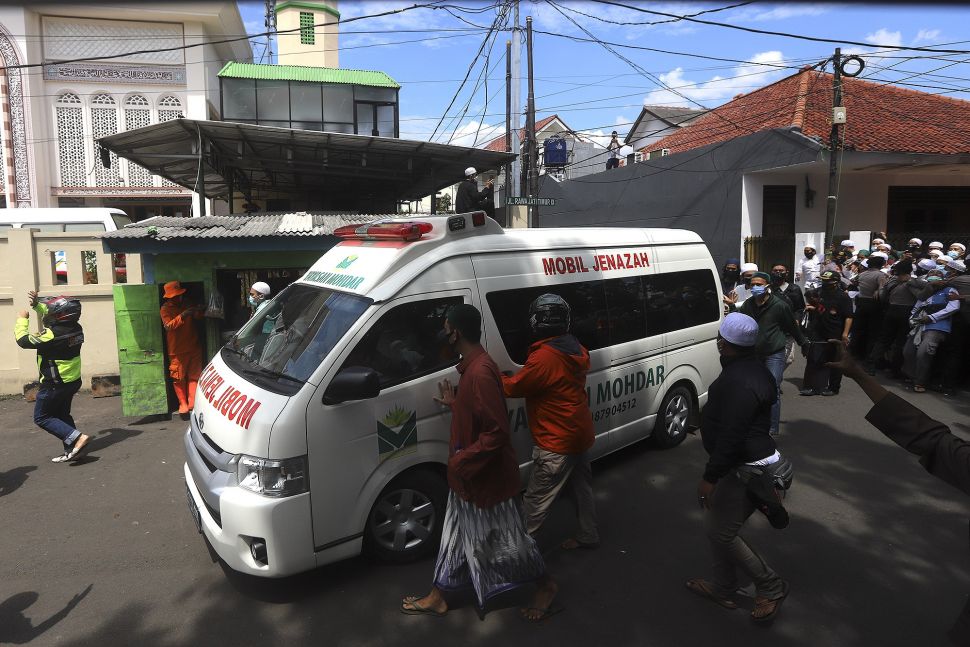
(935, 245)
(258, 294)
(957, 250)
(741, 470)
(742, 292)
(468, 197)
(808, 267)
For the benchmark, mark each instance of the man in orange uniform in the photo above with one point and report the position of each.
(553, 383)
(182, 341)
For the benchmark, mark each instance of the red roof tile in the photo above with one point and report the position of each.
(498, 144)
(880, 117)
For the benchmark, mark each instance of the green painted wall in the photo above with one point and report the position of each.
(202, 267)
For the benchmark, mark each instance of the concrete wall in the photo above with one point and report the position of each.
(323, 53)
(26, 263)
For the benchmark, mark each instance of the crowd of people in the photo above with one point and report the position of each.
(904, 312)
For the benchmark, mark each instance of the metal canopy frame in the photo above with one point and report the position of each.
(248, 158)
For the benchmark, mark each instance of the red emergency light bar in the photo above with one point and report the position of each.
(406, 231)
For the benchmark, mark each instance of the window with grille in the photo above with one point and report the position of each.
(104, 122)
(70, 140)
(169, 108)
(138, 114)
(307, 34)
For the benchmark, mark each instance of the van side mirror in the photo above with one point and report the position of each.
(353, 383)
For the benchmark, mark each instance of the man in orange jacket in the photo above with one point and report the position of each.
(182, 342)
(553, 383)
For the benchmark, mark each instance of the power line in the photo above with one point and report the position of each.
(658, 22)
(766, 32)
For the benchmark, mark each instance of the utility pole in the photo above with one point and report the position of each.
(530, 120)
(508, 127)
(831, 203)
(514, 185)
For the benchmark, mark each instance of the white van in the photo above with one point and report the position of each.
(64, 219)
(321, 437)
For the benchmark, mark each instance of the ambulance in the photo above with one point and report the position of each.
(315, 434)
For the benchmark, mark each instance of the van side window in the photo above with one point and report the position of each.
(611, 312)
(404, 343)
(587, 304)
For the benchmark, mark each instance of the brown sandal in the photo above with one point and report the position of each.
(765, 610)
(703, 588)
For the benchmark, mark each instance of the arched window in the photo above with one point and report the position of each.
(104, 122)
(169, 108)
(69, 123)
(138, 113)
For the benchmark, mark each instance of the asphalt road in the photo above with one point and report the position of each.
(104, 552)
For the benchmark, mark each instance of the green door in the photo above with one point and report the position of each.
(140, 351)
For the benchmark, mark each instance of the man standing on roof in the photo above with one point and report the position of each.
(59, 360)
(553, 383)
(468, 197)
(182, 343)
(614, 151)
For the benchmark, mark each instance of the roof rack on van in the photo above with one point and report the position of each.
(406, 231)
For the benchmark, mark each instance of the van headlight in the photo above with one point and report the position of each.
(271, 477)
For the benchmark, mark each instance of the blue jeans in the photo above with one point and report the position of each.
(52, 411)
(775, 363)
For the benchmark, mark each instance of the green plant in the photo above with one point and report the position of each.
(396, 417)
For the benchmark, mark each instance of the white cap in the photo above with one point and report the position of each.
(927, 264)
(936, 245)
(470, 171)
(955, 264)
(885, 246)
(936, 253)
(262, 288)
(962, 247)
(739, 329)
(916, 241)
(749, 267)
(877, 241)
(882, 255)
(847, 243)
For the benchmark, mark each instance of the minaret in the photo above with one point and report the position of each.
(307, 33)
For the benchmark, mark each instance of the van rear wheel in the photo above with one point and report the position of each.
(673, 418)
(405, 522)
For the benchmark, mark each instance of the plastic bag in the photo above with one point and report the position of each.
(216, 308)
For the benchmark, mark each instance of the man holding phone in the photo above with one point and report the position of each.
(830, 317)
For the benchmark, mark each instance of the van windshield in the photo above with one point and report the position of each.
(120, 221)
(288, 337)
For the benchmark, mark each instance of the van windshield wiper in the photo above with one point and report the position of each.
(264, 372)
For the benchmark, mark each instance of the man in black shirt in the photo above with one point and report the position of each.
(830, 317)
(468, 197)
(735, 434)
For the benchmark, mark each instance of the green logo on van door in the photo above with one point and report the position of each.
(397, 434)
(344, 264)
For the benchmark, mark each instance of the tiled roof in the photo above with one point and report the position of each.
(234, 70)
(674, 114)
(281, 224)
(880, 117)
(498, 144)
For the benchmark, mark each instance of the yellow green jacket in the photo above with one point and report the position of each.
(58, 348)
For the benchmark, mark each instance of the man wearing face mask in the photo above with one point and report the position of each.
(182, 344)
(741, 292)
(775, 321)
(830, 317)
(808, 268)
(868, 308)
(795, 298)
(730, 276)
(957, 251)
(898, 296)
(553, 383)
(258, 296)
(931, 320)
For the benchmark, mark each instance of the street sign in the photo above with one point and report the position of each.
(516, 200)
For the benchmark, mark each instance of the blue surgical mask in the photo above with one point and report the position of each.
(252, 301)
(759, 290)
(953, 253)
(934, 278)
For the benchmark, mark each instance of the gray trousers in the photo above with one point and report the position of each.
(918, 360)
(730, 508)
(550, 473)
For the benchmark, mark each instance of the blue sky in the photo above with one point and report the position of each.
(594, 91)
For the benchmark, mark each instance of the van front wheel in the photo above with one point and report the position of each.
(405, 522)
(673, 418)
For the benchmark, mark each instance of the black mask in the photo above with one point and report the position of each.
(828, 286)
(732, 275)
(779, 277)
(809, 254)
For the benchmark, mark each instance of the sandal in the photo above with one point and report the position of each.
(919, 388)
(703, 588)
(766, 609)
(410, 607)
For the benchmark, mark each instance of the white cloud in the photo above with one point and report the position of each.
(786, 12)
(927, 36)
(759, 71)
(885, 37)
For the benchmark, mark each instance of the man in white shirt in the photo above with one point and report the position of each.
(808, 267)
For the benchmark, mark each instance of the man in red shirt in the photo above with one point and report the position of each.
(553, 383)
(483, 543)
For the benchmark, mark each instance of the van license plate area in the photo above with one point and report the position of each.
(194, 509)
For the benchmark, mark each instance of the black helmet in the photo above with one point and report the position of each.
(549, 315)
(63, 310)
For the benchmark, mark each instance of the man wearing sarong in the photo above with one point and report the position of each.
(484, 544)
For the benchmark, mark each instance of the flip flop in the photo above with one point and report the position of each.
(544, 614)
(573, 544)
(416, 609)
(760, 602)
(702, 588)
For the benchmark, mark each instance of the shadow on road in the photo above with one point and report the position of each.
(18, 629)
(13, 479)
(108, 437)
